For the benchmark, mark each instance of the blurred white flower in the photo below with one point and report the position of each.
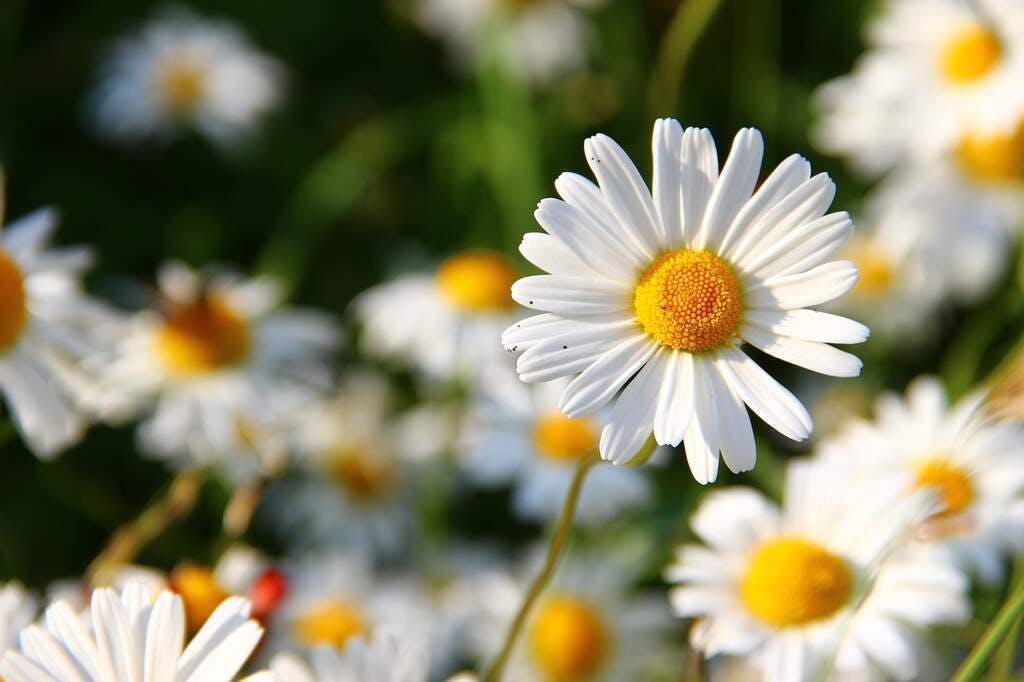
(824, 576)
(132, 632)
(384, 657)
(445, 324)
(650, 298)
(537, 40)
(223, 367)
(523, 439)
(937, 74)
(180, 70)
(18, 608)
(974, 463)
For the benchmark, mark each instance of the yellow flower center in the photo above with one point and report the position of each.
(689, 300)
(564, 440)
(332, 622)
(203, 337)
(994, 159)
(181, 84)
(952, 484)
(478, 281)
(970, 54)
(569, 640)
(791, 582)
(200, 592)
(13, 311)
(875, 267)
(361, 473)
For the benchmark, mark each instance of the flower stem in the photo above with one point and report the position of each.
(555, 549)
(685, 30)
(997, 631)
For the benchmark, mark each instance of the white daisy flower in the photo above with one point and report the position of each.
(588, 625)
(974, 463)
(132, 634)
(225, 369)
(822, 578)
(183, 71)
(448, 320)
(936, 72)
(525, 440)
(535, 39)
(650, 297)
(18, 609)
(385, 657)
(47, 326)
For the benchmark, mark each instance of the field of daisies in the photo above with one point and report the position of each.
(512, 340)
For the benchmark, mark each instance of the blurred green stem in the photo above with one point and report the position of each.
(1002, 662)
(1002, 625)
(691, 19)
(555, 549)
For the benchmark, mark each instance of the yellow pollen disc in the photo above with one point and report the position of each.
(200, 592)
(970, 54)
(569, 640)
(13, 312)
(478, 281)
(951, 482)
(564, 440)
(994, 159)
(333, 622)
(875, 267)
(689, 300)
(181, 84)
(791, 582)
(203, 337)
(361, 473)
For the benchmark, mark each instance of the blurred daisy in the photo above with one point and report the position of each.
(589, 625)
(132, 633)
(47, 326)
(224, 367)
(790, 588)
(18, 609)
(385, 657)
(525, 440)
(445, 324)
(651, 297)
(179, 71)
(938, 74)
(534, 39)
(974, 464)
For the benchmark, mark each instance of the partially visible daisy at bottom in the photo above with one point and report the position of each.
(823, 583)
(523, 438)
(133, 634)
(18, 608)
(383, 657)
(590, 624)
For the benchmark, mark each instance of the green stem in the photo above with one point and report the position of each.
(555, 549)
(1004, 622)
(683, 34)
(1002, 662)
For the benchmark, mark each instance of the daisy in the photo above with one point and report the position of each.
(449, 319)
(938, 72)
(975, 464)
(650, 298)
(221, 366)
(822, 578)
(132, 634)
(385, 657)
(525, 440)
(47, 326)
(534, 39)
(183, 71)
(17, 610)
(589, 625)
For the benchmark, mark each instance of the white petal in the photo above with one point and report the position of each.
(699, 175)
(733, 189)
(229, 617)
(806, 247)
(570, 295)
(585, 196)
(548, 361)
(809, 325)
(667, 144)
(539, 328)
(589, 240)
(551, 255)
(817, 357)
(601, 381)
(801, 290)
(629, 423)
(675, 401)
(737, 435)
(17, 668)
(787, 176)
(701, 441)
(769, 399)
(228, 657)
(165, 634)
(625, 192)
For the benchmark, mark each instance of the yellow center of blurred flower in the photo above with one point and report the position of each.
(361, 473)
(333, 622)
(202, 337)
(970, 54)
(562, 439)
(994, 159)
(569, 640)
(791, 582)
(477, 281)
(181, 84)
(689, 300)
(200, 592)
(13, 311)
(875, 268)
(952, 484)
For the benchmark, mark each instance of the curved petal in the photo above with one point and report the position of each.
(809, 325)
(802, 290)
(817, 357)
(733, 189)
(667, 147)
(787, 176)
(570, 295)
(769, 399)
(592, 389)
(629, 424)
(675, 400)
